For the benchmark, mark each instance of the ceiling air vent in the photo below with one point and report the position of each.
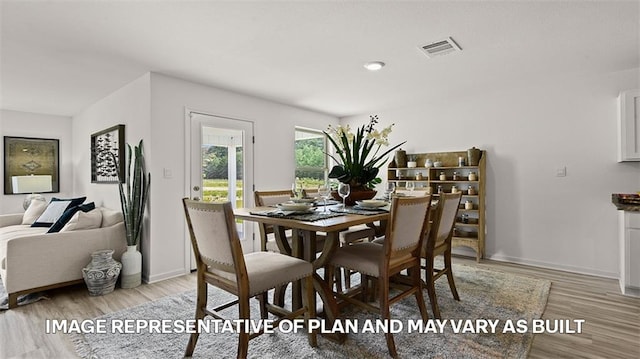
(440, 48)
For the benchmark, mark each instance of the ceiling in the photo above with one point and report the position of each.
(59, 57)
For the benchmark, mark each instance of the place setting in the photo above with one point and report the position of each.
(300, 210)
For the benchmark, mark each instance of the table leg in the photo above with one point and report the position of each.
(331, 311)
(296, 287)
(281, 239)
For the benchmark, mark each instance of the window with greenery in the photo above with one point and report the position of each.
(311, 158)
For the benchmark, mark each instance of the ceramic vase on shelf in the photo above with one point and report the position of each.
(474, 156)
(401, 158)
(101, 273)
(131, 268)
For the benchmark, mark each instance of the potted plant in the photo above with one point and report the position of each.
(133, 199)
(358, 158)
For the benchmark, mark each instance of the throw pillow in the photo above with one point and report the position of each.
(84, 220)
(55, 209)
(111, 217)
(36, 208)
(66, 216)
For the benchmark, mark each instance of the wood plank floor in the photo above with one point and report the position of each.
(611, 329)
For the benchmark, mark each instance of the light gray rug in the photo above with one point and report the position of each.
(22, 300)
(484, 295)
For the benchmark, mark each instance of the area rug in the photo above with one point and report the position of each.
(485, 295)
(22, 300)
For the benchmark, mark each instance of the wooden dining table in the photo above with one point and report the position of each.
(303, 245)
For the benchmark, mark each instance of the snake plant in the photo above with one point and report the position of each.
(133, 195)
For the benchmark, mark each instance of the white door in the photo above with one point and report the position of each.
(221, 156)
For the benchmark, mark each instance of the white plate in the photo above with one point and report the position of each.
(302, 200)
(289, 206)
(371, 203)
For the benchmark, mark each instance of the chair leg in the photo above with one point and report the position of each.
(201, 305)
(417, 283)
(431, 288)
(452, 284)
(262, 299)
(364, 283)
(330, 274)
(243, 336)
(310, 302)
(347, 278)
(383, 290)
(279, 294)
(335, 277)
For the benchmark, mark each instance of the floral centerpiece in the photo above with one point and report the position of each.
(359, 156)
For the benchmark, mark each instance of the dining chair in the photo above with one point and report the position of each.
(438, 242)
(268, 241)
(221, 263)
(400, 251)
(267, 237)
(352, 235)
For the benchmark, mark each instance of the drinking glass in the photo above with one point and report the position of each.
(344, 190)
(410, 186)
(295, 190)
(324, 191)
(389, 189)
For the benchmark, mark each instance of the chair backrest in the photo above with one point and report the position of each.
(407, 226)
(214, 237)
(414, 193)
(270, 198)
(444, 220)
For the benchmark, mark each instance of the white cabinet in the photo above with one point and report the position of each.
(629, 224)
(629, 126)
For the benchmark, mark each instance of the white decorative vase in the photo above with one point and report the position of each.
(131, 275)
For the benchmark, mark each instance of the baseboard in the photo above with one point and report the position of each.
(163, 276)
(555, 266)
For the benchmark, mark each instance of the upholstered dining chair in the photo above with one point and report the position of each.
(267, 237)
(400, 251)
(221, 263)
(352, 235)
(439, 243)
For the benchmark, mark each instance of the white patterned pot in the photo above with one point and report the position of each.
(131, 268)
(101, 273)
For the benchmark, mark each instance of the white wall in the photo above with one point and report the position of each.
(130, 106)
(23, 124)
(533, 216)
(274, 155)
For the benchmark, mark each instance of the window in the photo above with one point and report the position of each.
(311, 158)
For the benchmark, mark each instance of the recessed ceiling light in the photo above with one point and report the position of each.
(374, 65)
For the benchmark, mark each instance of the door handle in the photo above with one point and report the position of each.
(196, 188)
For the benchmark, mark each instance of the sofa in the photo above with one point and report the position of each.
(33, 260)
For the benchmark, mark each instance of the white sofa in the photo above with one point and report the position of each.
(32, 260)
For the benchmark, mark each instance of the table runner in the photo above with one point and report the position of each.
(358, 210)
(307, 217)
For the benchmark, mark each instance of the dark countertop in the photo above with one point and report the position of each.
(626, 202)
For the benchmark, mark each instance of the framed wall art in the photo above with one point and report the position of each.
(107, 151)
(26, 156)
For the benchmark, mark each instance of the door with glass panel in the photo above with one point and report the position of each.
(222, 165)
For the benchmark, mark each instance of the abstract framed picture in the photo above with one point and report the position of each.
(26, 156)
(107, 152)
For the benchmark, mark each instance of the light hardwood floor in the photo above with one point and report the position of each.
(611, 329)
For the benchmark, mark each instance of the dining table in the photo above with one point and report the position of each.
(305, 228)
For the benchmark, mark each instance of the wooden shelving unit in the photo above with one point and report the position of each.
(470, 234)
